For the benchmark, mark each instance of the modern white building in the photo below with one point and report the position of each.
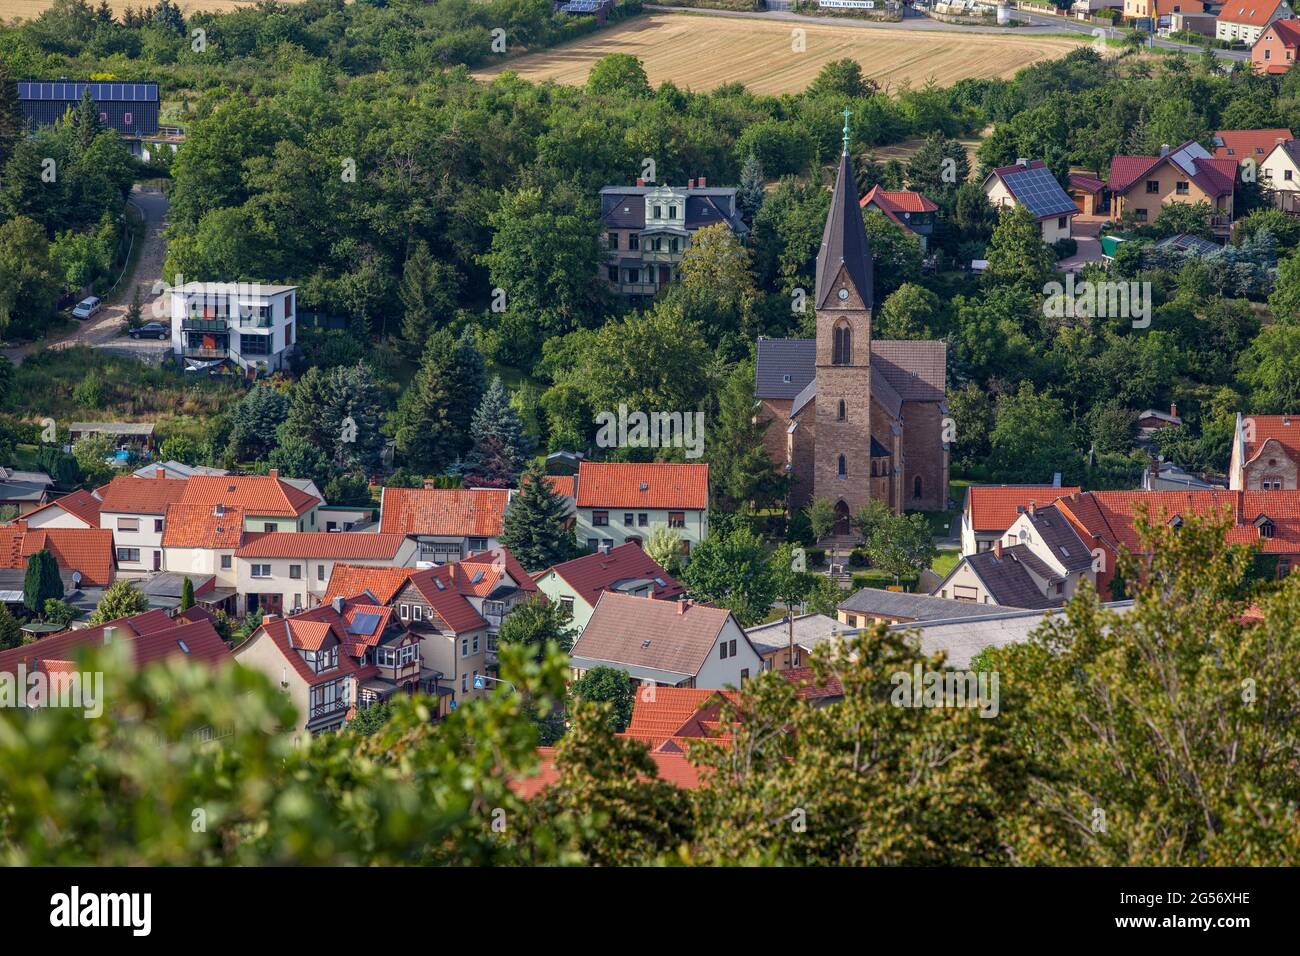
(247, 323)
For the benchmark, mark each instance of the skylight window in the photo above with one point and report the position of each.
(183, 646)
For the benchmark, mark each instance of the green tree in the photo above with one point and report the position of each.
(1017, 253)
(187, 594)
(665, 549)
(538, 626)
(11, 117)
(618, 74)
(791, 583)
(41, 582)
(254, 422)
(606, 685)
(732, 571)
(428, 290)
(750, 195)
(910, 312)
(536, 524)
(500, 446)
(1031, 437)
(121, 599)
(901, 545)
(11, 632)
(741, 472)
(821, 516)
(1268, 368)
(428, 435)
(29, 285)
(938, 167)
(369, 720)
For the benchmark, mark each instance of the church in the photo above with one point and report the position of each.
(854, 418)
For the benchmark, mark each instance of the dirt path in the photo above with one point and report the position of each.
(104, 330)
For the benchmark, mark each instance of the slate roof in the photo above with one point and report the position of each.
(912, 371)
(594, 573)
(809, 631)
(844, 241)
(1061, 539)
(18, 485)
(614, 484)
(1006, 578)
(917, 607)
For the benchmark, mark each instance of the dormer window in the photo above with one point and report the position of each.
(1266, 526)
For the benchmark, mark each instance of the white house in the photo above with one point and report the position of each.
(1245, 20)
(1032, 185)
(135, 509)
(250, 324)
(1280, 173)
(578, 584)
(673, 643)
(618, 502)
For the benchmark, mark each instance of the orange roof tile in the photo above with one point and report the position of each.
(672, 768)
(593, 573)
(996, 507)
(350, 580)
(460, 512)
(128, 494)
(87, 550)
(309, 635)
(438, 586)
(1239, 144)
(1255, 12)
(1283, 429)
(81, 504)
(610, 484)
(321, 544)
(255, 494)
(199, 526)
(153, 636)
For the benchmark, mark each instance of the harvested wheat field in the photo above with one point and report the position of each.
(31, 9)
(702, 52)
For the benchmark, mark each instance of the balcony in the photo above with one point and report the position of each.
(329, 709)
(193, 352)
(1221, 225)
(660, 255)
(206, 324)
(255, 322)
(637, 288)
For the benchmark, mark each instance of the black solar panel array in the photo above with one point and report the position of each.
(99, 92)
(1040, 192)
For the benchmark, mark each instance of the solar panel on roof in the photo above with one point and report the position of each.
(363, 624)
(1040, 192)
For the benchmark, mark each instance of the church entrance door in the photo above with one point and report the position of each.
(841, 517)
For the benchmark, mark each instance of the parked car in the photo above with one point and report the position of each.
(151, 330)
(87, 307)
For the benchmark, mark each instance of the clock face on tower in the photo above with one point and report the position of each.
(844, 294)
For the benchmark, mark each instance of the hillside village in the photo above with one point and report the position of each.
(455, 430)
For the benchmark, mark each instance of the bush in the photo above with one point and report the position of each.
(882, 582)
(1066, 247)
(816, 557)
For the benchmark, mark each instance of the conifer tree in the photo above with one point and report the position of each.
(536, 525)
(42, 581)
(500, 445)
(187, 595)
(428, 437)
(750, 196)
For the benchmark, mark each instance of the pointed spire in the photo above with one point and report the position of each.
(844, 240)
(847, 113)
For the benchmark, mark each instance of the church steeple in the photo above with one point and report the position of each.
(844, 240)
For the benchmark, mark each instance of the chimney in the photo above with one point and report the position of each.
(109, 633)
(1164, 149)
(1033, 508)
(268, 618)
(1173, 409)
(1022, 161)
(19, 524)
(702, 182)
(640, 182)
(428, 484)
(160, 472)
(681, 606)
(337, 604)
(997, 549)
(690, 184)
(275, 473)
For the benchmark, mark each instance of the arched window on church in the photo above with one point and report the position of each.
(916, 487)
(843, 412)
(844, 467)
(842, 351)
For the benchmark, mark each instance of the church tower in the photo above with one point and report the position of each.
(843, 301)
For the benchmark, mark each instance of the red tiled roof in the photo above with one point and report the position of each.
(198, 526)
(366, 639)
(153, 636)
(670, 708)
(1288, 32)
(1283, 429)
(255, 494)
(461, 512)
(1126, 170)
(88, 550)
(893, 203)
(808, 688)
(350, 580)
(603, 484)
(1087, 183)
(1215, 177)
(591, 574)
(566, 485)
(447, 602)
(321, 544)
(680, 635)
(673, 768)
(306, 623)
(996, 507)
(81, 504)
(309, 635)
(1111, 516)
(502, 557)
(1239, 144)
(128, 494)
(1255, 12)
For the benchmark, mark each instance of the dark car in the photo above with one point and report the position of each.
(151, 330)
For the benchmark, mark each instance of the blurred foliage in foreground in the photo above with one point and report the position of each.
(1162, 736)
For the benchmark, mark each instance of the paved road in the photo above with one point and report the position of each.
(105, 329)
(1040, 24)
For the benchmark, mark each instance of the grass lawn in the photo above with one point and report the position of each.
(945, 562)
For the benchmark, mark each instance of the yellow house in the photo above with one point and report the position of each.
(1142, 185)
